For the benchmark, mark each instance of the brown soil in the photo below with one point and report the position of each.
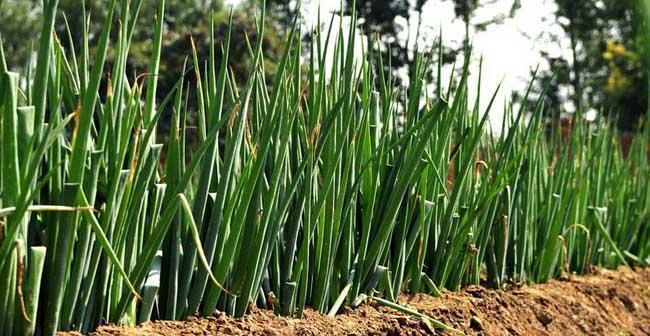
(612, 303)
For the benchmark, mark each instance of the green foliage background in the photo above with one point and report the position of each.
(612, 83)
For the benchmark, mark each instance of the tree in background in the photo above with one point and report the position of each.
(382, 19)
(183, 19)
(281, 12)
(379, 21)
(605, 70)
(18, 19)
(643, 24)
(465, 10)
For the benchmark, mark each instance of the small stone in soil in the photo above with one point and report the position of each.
(476, 323)
(544, 318)
(402, 320)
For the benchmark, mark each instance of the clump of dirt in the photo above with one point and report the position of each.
(603, 303)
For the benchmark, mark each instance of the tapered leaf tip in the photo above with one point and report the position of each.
(3, 62)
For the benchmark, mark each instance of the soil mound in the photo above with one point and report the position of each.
(606, 302)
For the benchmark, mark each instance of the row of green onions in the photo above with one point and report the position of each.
(307, 191)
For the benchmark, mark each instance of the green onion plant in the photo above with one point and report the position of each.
(324, 186)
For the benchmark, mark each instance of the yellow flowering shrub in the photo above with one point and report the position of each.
(619, 61)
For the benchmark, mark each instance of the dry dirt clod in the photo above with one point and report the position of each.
(271, 332)
(628, 303)
(544, 317)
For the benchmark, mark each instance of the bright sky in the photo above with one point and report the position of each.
(510, 50)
